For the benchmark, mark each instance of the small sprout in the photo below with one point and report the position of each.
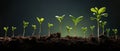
(6, 29)
(13, 29)
(68, 29)
(92, 28)
(115, 32)
(102, 24)
(84, 29)
(34, 28)
(108, 30)
(49, 26)
(76, 21)
(25, 24)
(60, 18)
(40, 20)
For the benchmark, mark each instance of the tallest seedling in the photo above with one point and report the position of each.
(98, 13)
(40, 20)
(76, 21)
(60, 18)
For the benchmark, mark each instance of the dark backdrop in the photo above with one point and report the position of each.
(13, 12)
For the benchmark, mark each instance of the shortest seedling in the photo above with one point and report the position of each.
(115, 32)
(68, 29)
(49, 26)
(6, 29)
(108, 30)
(84, 29)
(13, 29)
(34, 28)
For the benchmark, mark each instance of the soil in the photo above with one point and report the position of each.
(56, 41)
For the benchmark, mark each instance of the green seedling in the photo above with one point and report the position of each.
(40, 20)
(102, 24)
(98, 13)
(60, 18)
(115, 32)
(84, 29)
(13, 29)
(5, 29)
(68, 29)
(49, 26)
(92, 29)
(34, 28)
(108, 30)
(76, 21)
(25, 24)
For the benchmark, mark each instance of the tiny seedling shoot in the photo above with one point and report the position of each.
(13, 29)
(68, 28)
(92, 29)
(115, 32)
(34, 28)
(76, 21)
(60, 18)
(49, 26)
(6, 29)
(102, 24)
(98, 13)
(25, 24)
(108, 31)
(40, 20)
(84, 29)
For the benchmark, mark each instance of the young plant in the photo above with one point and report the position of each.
(84, 29)
(92, 29)
(49, 26)
(98, 13)
(76, 21)
(40, 20)
(6, 29)
(25, 24)
(102, 24)
(13, 29)
(60, 18)
(108, 30)
(34, 28)
(68, 29)
(115, 32)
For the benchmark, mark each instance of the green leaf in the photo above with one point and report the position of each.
(13, 28)
(68, 28)
(76, 20)
(50, 25)
(93, 10)
(102, 10)
(108, 30)
(60, 18)
(92, 27)
(105, 14)
(5, 28)
(92, 18)
(25, 24)
(96, 8)
(40, 20)
(84, 29)
(115, 31)
(34, 27)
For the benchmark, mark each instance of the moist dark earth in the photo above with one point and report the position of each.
(56, 41)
